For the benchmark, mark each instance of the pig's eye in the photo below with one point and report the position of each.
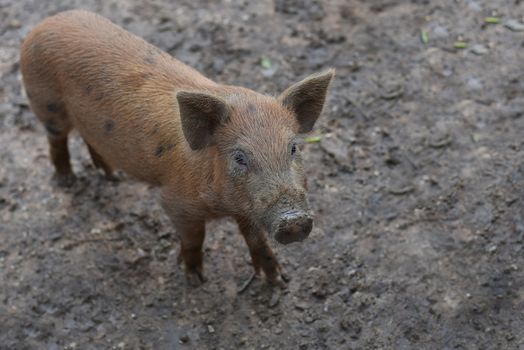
(240, 159)
(293, 149)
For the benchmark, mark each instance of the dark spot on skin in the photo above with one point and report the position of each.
(162, 149)
(52, 107)
(88, 89)
(159, 151)
(109, 125)
(51, 128)
(251, 108)
(99, 97)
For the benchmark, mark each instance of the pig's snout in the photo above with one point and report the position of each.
(293, 226)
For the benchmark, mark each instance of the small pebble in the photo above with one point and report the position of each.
(15, 24)
(474, 84)
(210, 329)
(275, 298)
(492, 248)
(301, 306)
(184, 338)
(479, 49)
(514, 25)
(440, 32)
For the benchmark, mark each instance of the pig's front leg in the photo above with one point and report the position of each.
(192, 236)
(262, 256)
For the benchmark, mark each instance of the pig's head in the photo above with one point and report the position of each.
(258, 172)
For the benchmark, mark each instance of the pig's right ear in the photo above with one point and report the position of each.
(200, 114)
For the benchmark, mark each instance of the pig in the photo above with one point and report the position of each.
(213, 150)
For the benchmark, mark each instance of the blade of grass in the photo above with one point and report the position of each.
(265, 63)
(313, 139)
(492, 20)
(424, 36)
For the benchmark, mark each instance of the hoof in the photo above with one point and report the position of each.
(64, 181)
(195, 278)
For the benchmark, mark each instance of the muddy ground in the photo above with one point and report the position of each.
(417, 184)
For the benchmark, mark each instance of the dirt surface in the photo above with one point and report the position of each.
(417, 184)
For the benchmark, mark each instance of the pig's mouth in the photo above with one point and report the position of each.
(292, 226)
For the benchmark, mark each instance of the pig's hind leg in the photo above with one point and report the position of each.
(100, 163)
(56, 122)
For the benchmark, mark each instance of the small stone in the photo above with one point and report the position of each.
(133, 316)
(210, 329)
(514, 25)
(184, 338)
(15, 24)
(301, 306)
(440, 32)
(492, 248)
(479, 49)
(474, 5)
(275, 298)
(352, 272)
(474, 84)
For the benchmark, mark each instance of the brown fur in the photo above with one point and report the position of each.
(124, 95)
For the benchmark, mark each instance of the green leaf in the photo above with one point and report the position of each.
(265, 63)
(492, 20)
(424, 36)
(313, 139)
(460, 45)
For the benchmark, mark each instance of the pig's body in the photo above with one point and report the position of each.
(142, 111)
(114, 88)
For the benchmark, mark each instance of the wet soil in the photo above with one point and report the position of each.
(417, 184)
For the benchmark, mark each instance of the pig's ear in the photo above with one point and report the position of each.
(201, 114)
(306, 98)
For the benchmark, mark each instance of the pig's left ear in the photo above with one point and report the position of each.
(306, 99)
(200, 114)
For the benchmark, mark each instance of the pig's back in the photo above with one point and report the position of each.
(117, 90)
